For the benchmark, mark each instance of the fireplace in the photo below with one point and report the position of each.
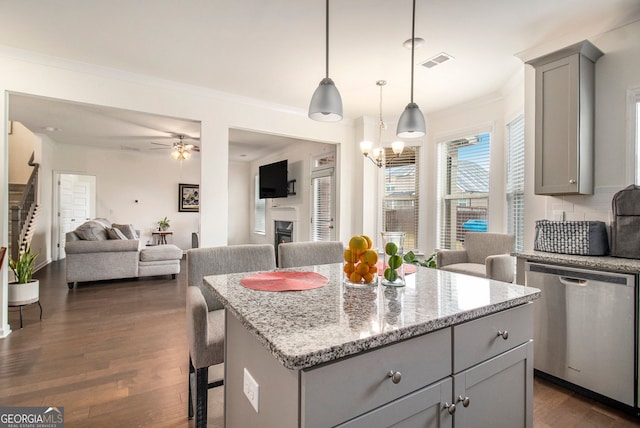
(283, 233)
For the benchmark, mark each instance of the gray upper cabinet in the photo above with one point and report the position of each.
(564, 120)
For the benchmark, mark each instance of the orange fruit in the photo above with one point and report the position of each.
(373, 269)
(350, 256)
(369, 241)
(369, 257)
(368, 277)
(362, 268)
(358, 244)
(355, 277)
(349, 268)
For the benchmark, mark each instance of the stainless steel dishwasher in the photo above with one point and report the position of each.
(584, 328)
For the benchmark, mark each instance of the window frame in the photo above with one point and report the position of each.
(633, 135)
(443, 195)
(389, 159)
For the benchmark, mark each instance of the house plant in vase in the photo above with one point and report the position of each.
(164, 224)
(25, 289)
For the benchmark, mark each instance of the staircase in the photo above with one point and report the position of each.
(23, 212)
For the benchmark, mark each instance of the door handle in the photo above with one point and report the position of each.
(566, 280)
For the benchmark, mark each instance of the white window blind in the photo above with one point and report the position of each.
(400, 205)
(515, 180)
(638, 141)
(323, 197)
(259, 210)
(321, 210)
(463, 189)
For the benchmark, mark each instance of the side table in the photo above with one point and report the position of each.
(160, 237)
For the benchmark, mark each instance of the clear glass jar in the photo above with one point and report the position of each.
(393, 267)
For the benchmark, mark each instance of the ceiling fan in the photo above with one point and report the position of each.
(179, 150)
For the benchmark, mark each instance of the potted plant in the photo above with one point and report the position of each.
(25, 289)
(164, 224)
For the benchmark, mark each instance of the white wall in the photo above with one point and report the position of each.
(22, 143)
(124, 176)
(241, 189)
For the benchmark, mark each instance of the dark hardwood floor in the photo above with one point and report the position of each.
(115, 354)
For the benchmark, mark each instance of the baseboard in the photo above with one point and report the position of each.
(4, 333)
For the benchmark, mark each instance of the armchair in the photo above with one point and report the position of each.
(487, 255)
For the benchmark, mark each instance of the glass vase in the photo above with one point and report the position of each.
(393, 268)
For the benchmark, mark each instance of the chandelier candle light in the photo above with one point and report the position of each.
(326, 103)
(378, 152)
(411, 123)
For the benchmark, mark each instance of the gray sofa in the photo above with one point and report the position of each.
(95, 251)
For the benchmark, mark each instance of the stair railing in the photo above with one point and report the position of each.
(22, 214)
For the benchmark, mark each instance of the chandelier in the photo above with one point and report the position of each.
(377, 155)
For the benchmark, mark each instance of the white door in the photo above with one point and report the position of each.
(76, 204)
(323, 207)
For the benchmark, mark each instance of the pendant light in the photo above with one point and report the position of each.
(411, 123)
(326, 103)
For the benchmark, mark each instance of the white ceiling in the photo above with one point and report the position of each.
(273, 50)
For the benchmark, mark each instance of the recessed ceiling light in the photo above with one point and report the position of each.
(51, 129)
(243, 155)
(419, 42)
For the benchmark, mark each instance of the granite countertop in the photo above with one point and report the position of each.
(304, 328)
(606, 263)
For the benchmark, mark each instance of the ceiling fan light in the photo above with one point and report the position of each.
(186, 155)
(175, 154)
(411, 123)
(326, 102)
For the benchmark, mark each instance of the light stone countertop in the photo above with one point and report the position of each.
(305, 328)
(605, 263)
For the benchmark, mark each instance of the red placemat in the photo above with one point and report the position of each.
(408, 268)
(284, 281)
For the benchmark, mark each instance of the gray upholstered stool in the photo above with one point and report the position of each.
(160, 260)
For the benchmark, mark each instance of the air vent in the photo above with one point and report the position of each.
(437, 60)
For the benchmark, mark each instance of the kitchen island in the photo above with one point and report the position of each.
(445, 346)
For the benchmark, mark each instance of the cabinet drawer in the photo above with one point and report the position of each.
(422, 408)
(480, 339)
(338, 391)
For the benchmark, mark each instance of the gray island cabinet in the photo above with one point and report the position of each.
(447, 348)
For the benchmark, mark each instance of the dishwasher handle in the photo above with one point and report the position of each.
(567, 280)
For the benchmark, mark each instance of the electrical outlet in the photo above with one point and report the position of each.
(251, 389)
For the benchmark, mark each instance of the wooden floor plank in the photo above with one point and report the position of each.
(114, 353)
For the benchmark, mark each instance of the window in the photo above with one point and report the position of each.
(323, 198)
(637, 137)
(463, 197)
(515, 180)
(400, 208)
(259, 213)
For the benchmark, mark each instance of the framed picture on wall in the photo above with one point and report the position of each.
(188, 197)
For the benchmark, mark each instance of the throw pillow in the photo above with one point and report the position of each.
(127, 230)
(114, 233)
(92, 231)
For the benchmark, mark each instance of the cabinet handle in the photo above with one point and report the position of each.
(572, 181)
(503, 334)
(463, 400)
(451, 408)
(396, 377)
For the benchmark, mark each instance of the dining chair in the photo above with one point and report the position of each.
(205, 314)
(485, 254)
(293, 254)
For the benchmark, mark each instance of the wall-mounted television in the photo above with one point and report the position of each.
(273, 180)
